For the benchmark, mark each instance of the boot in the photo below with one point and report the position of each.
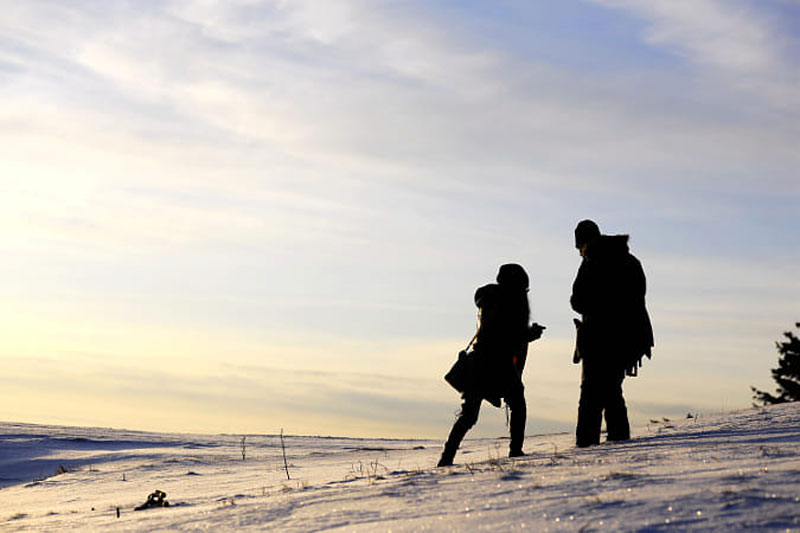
(448, 454)
(590, 415)
(519, 413)
(467, 418)
(616, 415)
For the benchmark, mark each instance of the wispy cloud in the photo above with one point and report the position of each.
(724, 35)
(739, 40)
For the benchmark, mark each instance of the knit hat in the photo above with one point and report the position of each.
(585, 231)
(513, 276)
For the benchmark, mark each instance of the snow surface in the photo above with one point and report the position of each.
(709, 473)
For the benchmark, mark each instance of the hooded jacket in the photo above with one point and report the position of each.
(502, 339)
(609, 291)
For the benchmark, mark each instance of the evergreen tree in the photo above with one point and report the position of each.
(787, 375)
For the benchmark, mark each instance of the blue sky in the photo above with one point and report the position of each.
(269, 215)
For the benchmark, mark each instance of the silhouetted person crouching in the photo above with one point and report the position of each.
(615, 331)
(499, 353)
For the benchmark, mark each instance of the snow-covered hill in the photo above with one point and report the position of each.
(724, 473)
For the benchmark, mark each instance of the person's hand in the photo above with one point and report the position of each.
(535, 332)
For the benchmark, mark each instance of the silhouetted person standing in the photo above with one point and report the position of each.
(615, 333)
(500, 350)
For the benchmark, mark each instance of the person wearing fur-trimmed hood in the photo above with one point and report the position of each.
(614, 334)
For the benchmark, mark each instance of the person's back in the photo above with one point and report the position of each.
(489, 304)
(504, 314)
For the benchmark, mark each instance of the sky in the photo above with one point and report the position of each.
(248, 216)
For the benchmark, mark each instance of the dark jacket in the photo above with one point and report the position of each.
(501, 343)
(609, 291)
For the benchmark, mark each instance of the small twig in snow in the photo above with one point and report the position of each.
(285, 464)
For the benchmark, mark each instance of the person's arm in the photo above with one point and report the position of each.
(580, 289)
(534, 332)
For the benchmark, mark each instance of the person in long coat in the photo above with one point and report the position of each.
(500, 352)
(615, 331)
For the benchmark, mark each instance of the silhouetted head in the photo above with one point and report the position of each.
(513, 276)
(486, 297)
(585, 232)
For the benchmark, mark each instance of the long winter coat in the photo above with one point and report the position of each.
(609, 291)
(501, 344)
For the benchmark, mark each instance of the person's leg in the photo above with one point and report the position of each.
(519, 413)
(616, 413)
(467, 418)
(590, 409)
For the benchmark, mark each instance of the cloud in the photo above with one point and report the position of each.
(378, 95)
(729, 37)
(741, 41)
